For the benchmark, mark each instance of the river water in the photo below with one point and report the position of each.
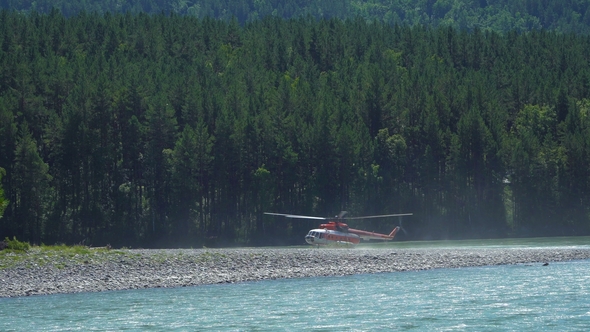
(526, 297)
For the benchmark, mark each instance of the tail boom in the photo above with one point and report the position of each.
(374, 236)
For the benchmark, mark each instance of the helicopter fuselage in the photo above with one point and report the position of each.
(322, 237)
(336, 232)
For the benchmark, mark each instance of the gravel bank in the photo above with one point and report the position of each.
(131, 269)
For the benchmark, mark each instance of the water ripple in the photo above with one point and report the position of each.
(507, 298)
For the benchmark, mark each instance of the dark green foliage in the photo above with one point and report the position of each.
(31, 187)
(15, 244)
(495, 15)
(3, 201)
(170, 130)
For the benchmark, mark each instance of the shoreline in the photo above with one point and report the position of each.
(32, 273)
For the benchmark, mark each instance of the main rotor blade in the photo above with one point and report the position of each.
(294, 216)
(381, 216)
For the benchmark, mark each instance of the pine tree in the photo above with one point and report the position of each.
(32, 182)
(3, 201)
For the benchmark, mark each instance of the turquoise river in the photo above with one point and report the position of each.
(529, 297)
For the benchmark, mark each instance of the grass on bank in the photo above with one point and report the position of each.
(14, 252)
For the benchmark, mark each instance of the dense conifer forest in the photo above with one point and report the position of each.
(495, 15)
(162, 129)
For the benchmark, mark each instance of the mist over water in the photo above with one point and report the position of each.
(525, 297)
(581, 242)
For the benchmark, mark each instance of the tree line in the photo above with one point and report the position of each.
(168, 130)
(566, 16)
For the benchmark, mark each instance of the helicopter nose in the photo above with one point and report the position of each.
(309, 239)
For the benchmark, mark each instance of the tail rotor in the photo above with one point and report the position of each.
(401, 226)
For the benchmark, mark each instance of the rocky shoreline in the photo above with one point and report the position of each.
(103, 270)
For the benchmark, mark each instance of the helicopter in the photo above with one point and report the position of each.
(336, 232)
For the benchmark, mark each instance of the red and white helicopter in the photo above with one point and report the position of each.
(336, 232)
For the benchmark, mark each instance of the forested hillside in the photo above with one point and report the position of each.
(497, 15)
(156, 130)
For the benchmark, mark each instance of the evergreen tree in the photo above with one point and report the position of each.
(3, 201)
(157, 127)
(31, 180)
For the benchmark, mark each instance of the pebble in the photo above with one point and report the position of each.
(155, 268)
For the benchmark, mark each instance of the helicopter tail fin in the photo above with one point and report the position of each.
(393, 232)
